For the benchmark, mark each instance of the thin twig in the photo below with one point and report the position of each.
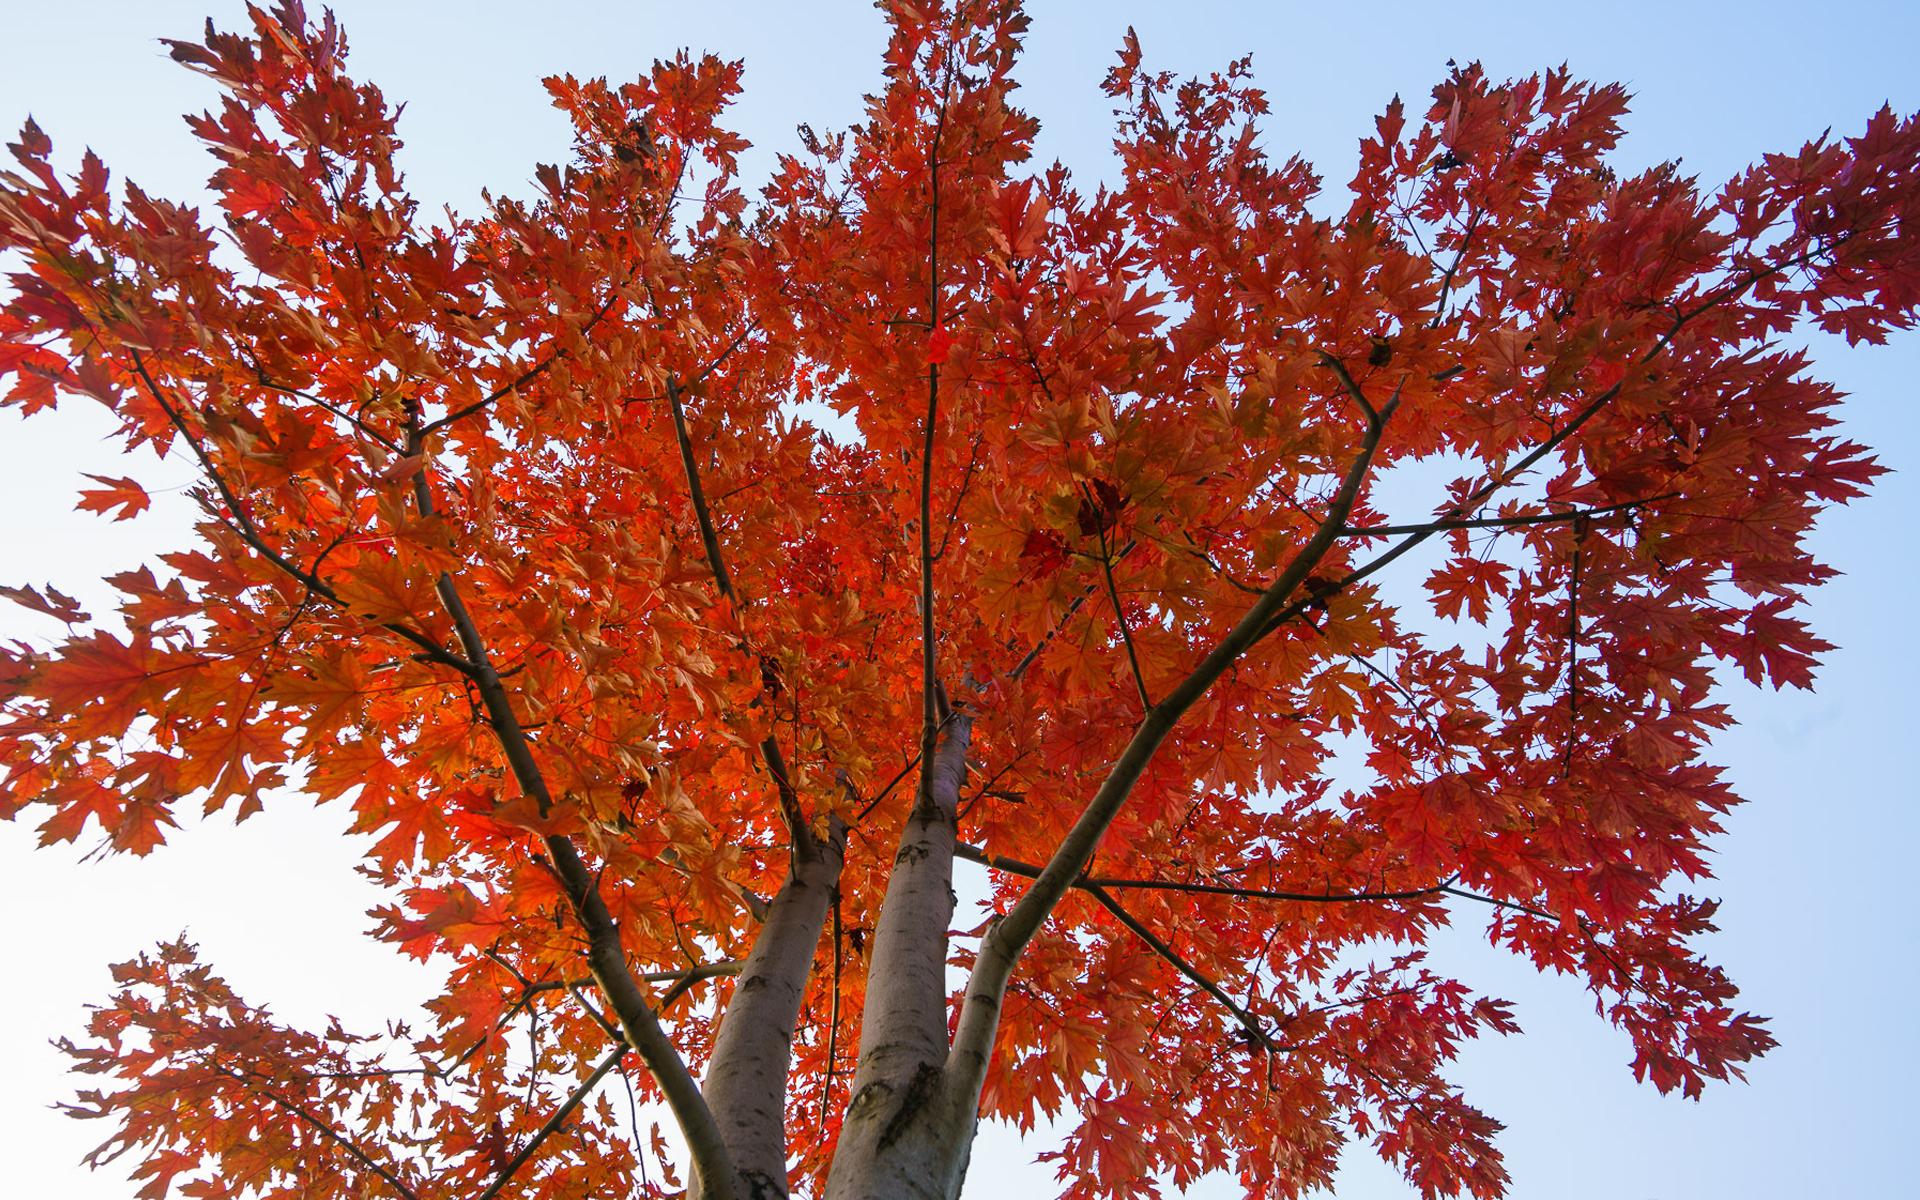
(1119, 615)
(606, 1064)
(929, 672)
(788, 796)
(1447, 523)
(300, 1112)
(1248, 1022)
(525, 377)
(1014, 866)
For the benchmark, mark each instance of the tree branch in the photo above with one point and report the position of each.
(712, 970)
(746, 1083)
(1527, 462)
(1014, 866)
(929, 668)
(253, 1083)
(1573, 650)
(788, 797)
(554, 1122)
(244, 527)
(1119, 616)
(703, 515)
(1247, 1020)
(1351, 388)
(606, 957)
(833, 1021)
(1000, 949)
(525, 377)
(1446, 523)
(1073, 607)
(1453, 268)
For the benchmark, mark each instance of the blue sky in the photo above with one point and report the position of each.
(1817, 924)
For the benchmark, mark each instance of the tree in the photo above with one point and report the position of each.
(673, 706)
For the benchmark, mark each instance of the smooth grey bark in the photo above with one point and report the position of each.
(746, 1085)
(900, 1136)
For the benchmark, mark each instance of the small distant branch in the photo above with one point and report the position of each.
(366, 430)
(1014, 866)
(1119, 614)
(713, 364)
(683, 981)
(525, 377)
(1453, 269)
(1073, 607)
(1255, 1031)
(1419, 534)
(1573, 650)
(833, 1019)
(788, 795)
(244, 527)
(600, 1071)
(255, 1083)
(712, 970)
(884, 792)
(1446, 523)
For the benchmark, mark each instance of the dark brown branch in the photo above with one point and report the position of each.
(593, 1010)
(1352, 389)
(959, 496)
(528, 991)
(525, 377)
(260, 377)
(703, 515)
(254, 1083)
(1447, 523)
(1453, 269)
(1001, 948)
(1387, 679)
(789, 797)
(712, 365)
(606, 957)
(1447, 887)
(833, 1020)
(1119, 615)
(929, 667)
(1073, 608)
(554, 1122)
(1014, 866)
(886, 791)
(712, 970)
(1573, 650)
(1213, 565)
(1248, 1022)
(1527, 462)
(244, 527)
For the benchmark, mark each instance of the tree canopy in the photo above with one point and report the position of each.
(674, 702)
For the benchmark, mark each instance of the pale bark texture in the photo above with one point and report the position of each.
(746, 1085)
(901, 1135)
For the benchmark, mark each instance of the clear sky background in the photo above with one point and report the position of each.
(1818, 923)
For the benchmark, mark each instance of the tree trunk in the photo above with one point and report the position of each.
(746, 1085)
(903, 1135)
